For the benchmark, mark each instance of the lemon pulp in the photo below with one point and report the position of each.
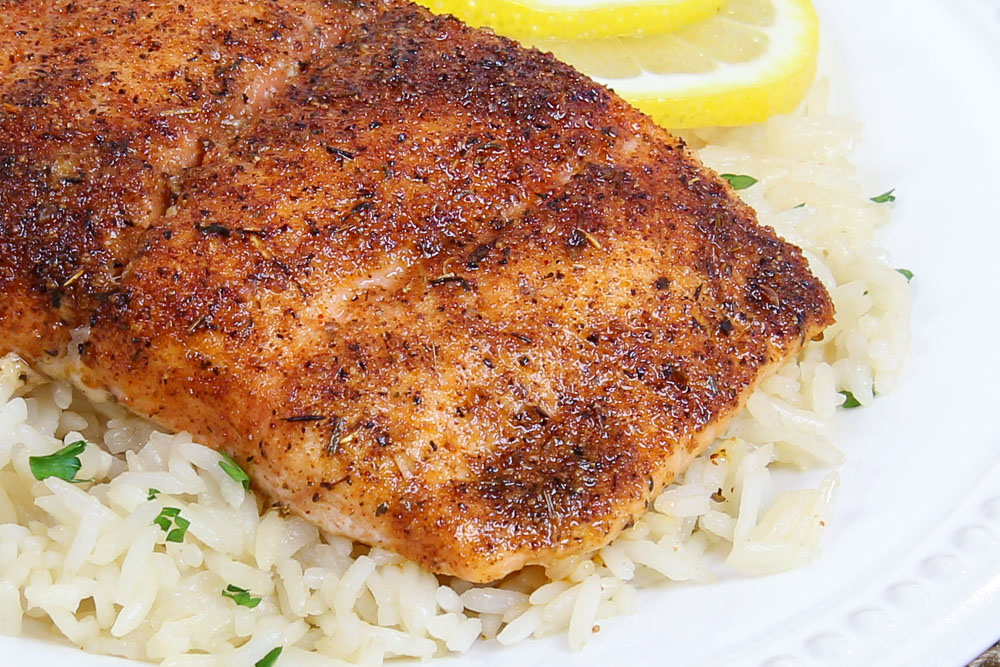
(577, 19)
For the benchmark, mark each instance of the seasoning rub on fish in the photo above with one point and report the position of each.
(430, 289)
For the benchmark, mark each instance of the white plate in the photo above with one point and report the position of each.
(910, 574)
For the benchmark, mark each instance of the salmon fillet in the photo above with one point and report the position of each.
(432, 290)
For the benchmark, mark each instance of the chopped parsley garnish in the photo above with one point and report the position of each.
(906, 274)
(63, 464)
(850, 401)
(152, 493)
(172, 515)
(802, 205)
(234, 470)
(885, 197)
(240, 596)
(739, 181)
(166, 517)
(269, 659)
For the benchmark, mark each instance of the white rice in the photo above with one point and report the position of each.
(86, 562)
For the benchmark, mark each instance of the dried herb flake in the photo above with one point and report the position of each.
(339, 152)
(449, 278)
(333, 445)
(214, 228)
(305, 418)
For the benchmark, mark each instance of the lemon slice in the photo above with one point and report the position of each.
(754, 59)
(577, 19)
